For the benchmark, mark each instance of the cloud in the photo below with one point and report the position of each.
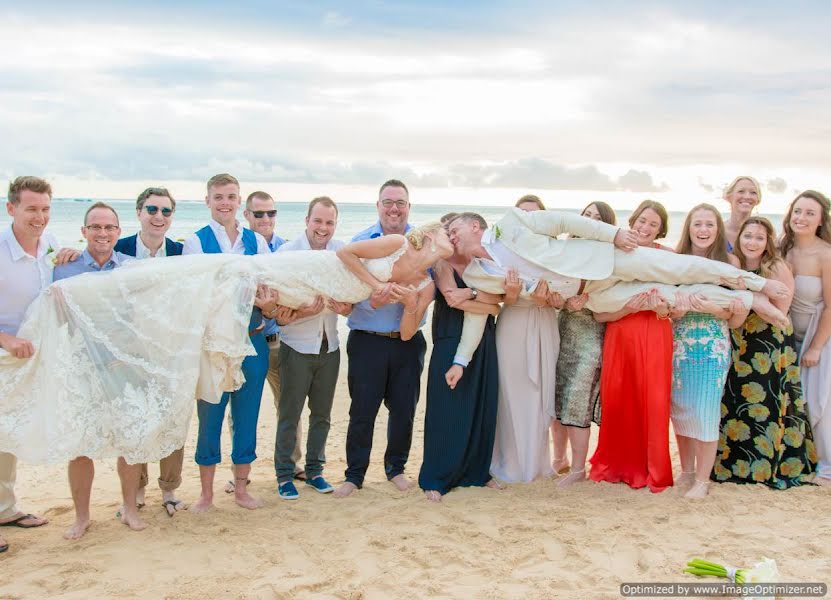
(777, 185)
(334, 20)
(707, 187)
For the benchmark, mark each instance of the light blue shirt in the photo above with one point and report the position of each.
(86, 264)
(271, 327)
(383, 319)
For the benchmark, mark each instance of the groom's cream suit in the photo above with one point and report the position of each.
(611, 276)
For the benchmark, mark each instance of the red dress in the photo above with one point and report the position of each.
(635, 393)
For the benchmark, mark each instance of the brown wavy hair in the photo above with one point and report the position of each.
(659, 209)
(718, 250)
(770, 257)
(607, 213)
(823, 231)
(532, 199)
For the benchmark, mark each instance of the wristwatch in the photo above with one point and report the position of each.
(473, 293)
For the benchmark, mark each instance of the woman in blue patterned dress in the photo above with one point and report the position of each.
(701, 357)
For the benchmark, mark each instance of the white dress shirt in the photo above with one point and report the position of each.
(193, 245)
(22, 277)
(529, 273)
(143, 251)
(306, 335)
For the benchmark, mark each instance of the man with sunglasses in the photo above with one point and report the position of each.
(382, 366)
(225, 235)
(101, 229)
(154, 208)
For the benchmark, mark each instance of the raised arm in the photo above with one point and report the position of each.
(415, 305)
(351, 255)
(460, 298)
(552, 223)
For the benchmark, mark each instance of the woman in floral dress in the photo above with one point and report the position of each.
(765, 436)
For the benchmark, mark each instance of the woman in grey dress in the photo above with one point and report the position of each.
(577, 392)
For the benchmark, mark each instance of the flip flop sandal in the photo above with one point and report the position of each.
(3, 548)
(17, 522)
(168, 504)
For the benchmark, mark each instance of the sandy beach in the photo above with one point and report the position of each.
(527, 541)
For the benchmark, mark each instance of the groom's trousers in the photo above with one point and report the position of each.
(8, 475)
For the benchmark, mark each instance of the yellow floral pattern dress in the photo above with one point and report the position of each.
(765, 435)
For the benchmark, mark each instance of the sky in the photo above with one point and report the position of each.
(468, 102)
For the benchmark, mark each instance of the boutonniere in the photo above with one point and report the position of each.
(497, 231)
(50, 257)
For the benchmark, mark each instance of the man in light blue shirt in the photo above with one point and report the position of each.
(382, 367)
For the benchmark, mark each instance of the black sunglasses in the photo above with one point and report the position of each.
(259, 214)
(152, 209)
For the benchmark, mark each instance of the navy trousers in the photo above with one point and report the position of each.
(387, 370)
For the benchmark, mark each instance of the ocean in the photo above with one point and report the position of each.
(68, 214)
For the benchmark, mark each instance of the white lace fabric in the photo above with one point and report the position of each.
(122, 355)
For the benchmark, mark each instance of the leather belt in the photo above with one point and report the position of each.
(387, 334)
(271, 338)
(582, 287)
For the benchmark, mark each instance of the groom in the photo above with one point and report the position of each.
(605, 263)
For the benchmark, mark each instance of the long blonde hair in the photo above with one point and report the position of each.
(416, 235)
(729, 189)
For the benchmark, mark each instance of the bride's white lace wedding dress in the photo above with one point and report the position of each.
(121, 356)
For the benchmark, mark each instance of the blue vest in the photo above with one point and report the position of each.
(128, 246)
(210, 245)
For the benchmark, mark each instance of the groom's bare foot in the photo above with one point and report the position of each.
(768, 312)
(344, 489)
(401, 482)
(775, 290)
(246, 500)
(132, 520)
(203, 504)
(77, 530)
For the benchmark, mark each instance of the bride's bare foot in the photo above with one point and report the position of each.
(132, 520)
(402, 483)
(203, 504)
(699, 490)
(572, 478)
(560, 465)
(494, 484)
(77, 530)
(344, 489)
(432, 495)
(768, 312)
(246, 500)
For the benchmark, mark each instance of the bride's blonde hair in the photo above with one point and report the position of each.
(416, 235)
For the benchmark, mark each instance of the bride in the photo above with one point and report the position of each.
(121, 356)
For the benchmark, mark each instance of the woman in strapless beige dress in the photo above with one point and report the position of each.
(806, 245)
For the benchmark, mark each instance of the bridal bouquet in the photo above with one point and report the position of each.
(762, 572)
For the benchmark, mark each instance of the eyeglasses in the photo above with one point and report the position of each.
(100, 228)
(153, 209)
(259, 214)
(397, 203)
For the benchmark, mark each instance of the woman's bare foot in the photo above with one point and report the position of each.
(572, 478)
(685, 478)
(699, 490)
(402, 483)
(132, 520)
(823, 481)
(344, 489)
(246, 500)
(77, 530)
(203, 504)
(432, 495)
(560, 465)
(494, 484)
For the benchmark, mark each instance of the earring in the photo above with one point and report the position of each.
(433, 247)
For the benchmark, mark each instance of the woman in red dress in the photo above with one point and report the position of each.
(636, 379)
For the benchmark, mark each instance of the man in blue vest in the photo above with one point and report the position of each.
(382, 366)
(224, 234)
(154, 208)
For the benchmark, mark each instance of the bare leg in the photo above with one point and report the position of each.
(579, 439)
(206, 498)
(345, 489)
(81, 473)
(705, 457)
(129, 475)
(686, 452)
(559, 437)
(402, 483)
(140, 497)
(241, 495)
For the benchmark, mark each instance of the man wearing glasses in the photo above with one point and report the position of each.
(154, 209)
(382, 366)
(225, 235)
(101, 230)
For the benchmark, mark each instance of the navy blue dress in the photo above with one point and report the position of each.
(460, 424)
